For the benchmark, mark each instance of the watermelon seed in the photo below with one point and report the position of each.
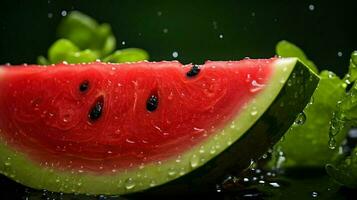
(97, 109)
(193, 71)
(152, 103)
(83, 87)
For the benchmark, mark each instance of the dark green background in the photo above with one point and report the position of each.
(249, 28)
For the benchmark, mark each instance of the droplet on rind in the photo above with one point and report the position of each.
(194, 161)
(172, 172)
(129, 184)
(300, 119)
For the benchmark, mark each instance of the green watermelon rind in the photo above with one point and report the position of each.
(17, 166)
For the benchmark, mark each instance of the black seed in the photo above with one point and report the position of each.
(193, 71)
(152, 102)
(96, 110)
(84, 86)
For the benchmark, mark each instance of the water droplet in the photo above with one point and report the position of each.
(300, 119)
(311, 7)
(254, 112)
(212, 150)
(152, 183)
(331, 74)
(220, 36)
(175, 54)
(159, 13)
(64, 13)
(332, 143)
(129, 184)
(194, 161)
(123, 42)
(49, 15)
(165, 30)
(339, 54)
(274, 184)
(314, 194)
(218, 188)
(130, 141)
(172, 172)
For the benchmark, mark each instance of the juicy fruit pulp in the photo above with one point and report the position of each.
(97, 127)
(101, 115)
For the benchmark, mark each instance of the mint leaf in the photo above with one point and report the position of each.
(86, 33)
(306, 145)
(351, 76)
(84, 40)
(127, 55)
(287, 49)
(60, 49)
(344, 169)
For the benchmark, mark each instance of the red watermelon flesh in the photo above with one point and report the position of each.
(46, 111)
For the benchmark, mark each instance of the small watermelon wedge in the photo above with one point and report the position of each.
(104, 128)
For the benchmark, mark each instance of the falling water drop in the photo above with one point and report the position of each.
(314, 194)
(175, 54)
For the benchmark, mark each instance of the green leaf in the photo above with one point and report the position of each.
(351, 76)
(86, 33)
(306, 145)
(84, 56)
(287, 49)
(78, 28)
(127, 55)
(344, 169)
(109, 45)
(60, 49)
(41, 60)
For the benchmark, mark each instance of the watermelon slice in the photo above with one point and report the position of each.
(121, 128)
